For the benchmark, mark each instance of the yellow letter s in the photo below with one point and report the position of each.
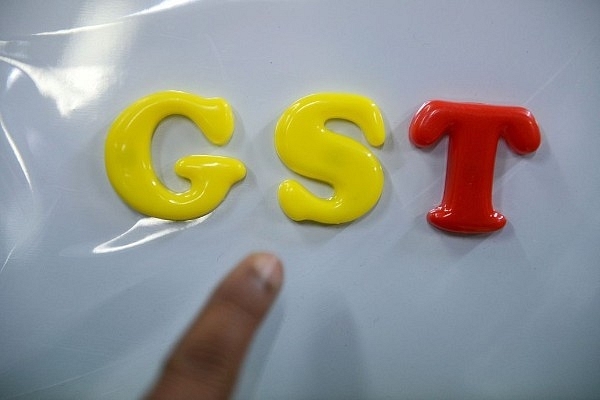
(308, 148)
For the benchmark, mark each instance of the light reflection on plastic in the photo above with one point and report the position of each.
(8, 256)
(12, 77)
(16, 152)
(164, 5)
(69, 87)
(150, 229)
(94, 15)
(70, 84)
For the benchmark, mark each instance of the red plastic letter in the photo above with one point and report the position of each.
(474, 131)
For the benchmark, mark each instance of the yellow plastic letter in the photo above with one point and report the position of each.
(308, 148)
(128, 160)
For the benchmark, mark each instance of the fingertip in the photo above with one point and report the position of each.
(267, 269)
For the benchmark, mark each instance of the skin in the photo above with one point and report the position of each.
(206, 361)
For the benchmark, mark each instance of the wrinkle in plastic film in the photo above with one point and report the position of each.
(74, 67)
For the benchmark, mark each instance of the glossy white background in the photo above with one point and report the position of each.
(92, 294)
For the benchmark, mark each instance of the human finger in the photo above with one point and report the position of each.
(206, 361)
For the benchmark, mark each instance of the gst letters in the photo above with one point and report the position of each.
(308, 148)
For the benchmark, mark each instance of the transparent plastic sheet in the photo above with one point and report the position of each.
(93, 294)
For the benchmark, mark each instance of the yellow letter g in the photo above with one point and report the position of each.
(129, 163)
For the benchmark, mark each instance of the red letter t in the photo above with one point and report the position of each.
(474, 131)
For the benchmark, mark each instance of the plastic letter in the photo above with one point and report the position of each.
(308, 148)
(474, 131)
(129, 165)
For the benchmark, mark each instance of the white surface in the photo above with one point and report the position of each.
(92, 294)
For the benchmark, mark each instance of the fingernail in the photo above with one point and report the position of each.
(266, 268)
